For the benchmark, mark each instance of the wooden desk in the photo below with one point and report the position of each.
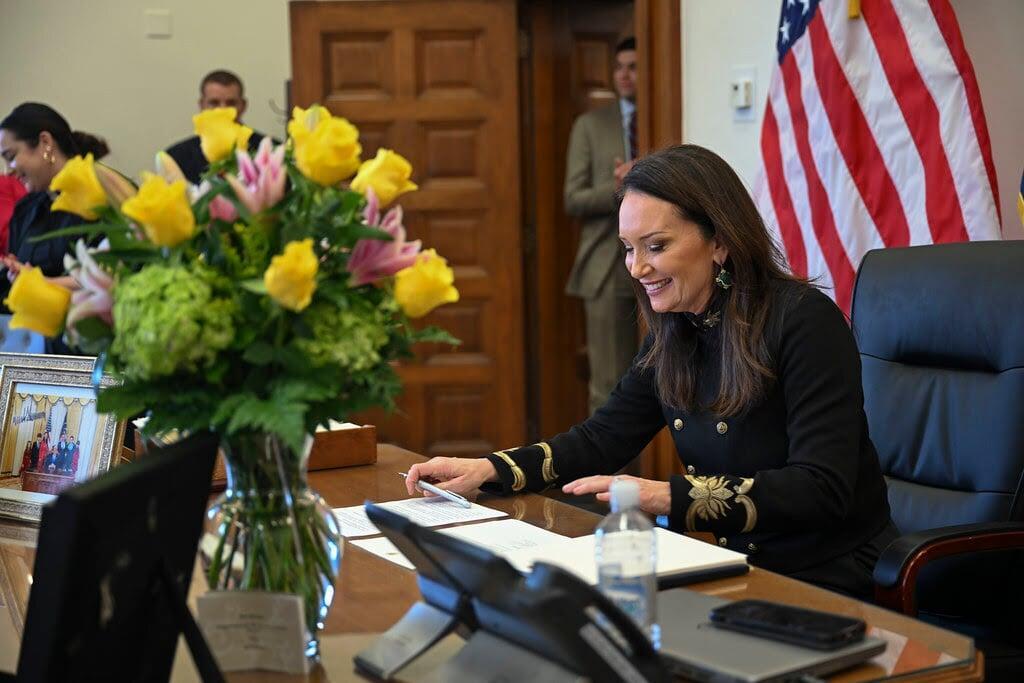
(373, 593)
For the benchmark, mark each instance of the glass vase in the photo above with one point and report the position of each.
(274, 533)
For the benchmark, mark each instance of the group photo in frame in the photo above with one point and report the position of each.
(51, 435)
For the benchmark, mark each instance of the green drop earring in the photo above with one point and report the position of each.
(724, 278)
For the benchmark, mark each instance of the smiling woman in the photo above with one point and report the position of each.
(754, 371)
(36, 144)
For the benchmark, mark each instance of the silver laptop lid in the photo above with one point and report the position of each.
(691, 646)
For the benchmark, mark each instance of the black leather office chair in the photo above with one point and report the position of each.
(941, 335)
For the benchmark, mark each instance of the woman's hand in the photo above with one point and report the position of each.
(14, 266)
(459, 475)
(655, 496)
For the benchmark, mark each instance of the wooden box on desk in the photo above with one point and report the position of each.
(343, 445)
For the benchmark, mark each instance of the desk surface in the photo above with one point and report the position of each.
(374, 593)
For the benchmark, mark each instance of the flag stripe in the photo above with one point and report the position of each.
(946, 20)
(782, 203)
(856, 141)
(854, 225)
(817, 268)
(821, 212)
(922, 115)
(946, 88)
(863, 69)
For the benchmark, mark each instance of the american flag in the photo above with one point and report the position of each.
(873, 136)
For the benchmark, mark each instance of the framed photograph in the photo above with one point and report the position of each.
(51, 436)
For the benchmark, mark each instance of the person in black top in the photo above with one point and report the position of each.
(754, 371)
(218, 89)
(36, 142)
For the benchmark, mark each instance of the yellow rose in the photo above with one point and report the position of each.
(291, 277)
(425, 285)
(326, 147)
(219, 133)
(387, 173)
(304, 121)
(163, 211)
(37, 304)
(80, 189)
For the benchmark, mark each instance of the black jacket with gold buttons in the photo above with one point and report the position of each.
(793, 480)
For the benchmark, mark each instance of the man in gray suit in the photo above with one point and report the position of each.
(602, 149)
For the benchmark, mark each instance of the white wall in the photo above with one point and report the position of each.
(90, 60)
(720, 34)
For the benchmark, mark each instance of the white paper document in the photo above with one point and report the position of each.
(677, 556)
(433, 511)
(500, 537)
(382, 547)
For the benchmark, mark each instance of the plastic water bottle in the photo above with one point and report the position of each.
(627, 556)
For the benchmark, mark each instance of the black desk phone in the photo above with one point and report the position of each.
(550, 613)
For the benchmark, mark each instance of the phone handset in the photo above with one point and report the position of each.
(608, 625)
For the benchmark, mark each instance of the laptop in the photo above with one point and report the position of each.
(694, 648)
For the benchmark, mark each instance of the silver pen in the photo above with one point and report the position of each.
(450, 495)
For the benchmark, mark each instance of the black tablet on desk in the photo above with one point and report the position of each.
(113, 565)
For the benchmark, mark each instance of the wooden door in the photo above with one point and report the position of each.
(567, 70)
(436, 80)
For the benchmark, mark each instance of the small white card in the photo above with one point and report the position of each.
(255, 630)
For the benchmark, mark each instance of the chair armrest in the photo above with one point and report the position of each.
(900, 563)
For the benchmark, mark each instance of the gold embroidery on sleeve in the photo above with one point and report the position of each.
(744, 487)
(547, 469)
(711, 500)
(518, 478)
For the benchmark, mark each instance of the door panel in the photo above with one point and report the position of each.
(567, 72)
(436, 80)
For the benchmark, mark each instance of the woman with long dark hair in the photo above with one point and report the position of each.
(755, 373)
(36, 142)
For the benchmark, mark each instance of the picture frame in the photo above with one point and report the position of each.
(51, 436)
(17, 555)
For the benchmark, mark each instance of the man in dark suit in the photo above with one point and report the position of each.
(602, 148)
(218, 89)
(33, 459)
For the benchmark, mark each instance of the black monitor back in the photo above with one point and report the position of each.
(99, 609)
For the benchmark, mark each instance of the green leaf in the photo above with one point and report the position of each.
(78, 230)
(94, 329)
(435, 335)
(260, 353)
(255, 285)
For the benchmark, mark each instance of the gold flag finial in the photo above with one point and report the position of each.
(854, 9)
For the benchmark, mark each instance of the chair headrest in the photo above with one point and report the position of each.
(945, 304)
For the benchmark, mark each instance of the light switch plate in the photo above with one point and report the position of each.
(743, 93)
(156, 23)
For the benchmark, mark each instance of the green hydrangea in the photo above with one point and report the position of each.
(169, 319)
(350, 338)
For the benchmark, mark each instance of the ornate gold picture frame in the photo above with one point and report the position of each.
(51, 436)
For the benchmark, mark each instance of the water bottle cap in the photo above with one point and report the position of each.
(625, 494)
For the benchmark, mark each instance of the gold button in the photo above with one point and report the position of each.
(678, 424)
(722, 427)
(751, 548)
(690, 469)
(723, 541)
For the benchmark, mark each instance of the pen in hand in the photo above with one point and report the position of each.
(450, 495)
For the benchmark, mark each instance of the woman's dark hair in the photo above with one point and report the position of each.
(705, 190)
(29, 119)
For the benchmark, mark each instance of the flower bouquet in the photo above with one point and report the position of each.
(268, 300)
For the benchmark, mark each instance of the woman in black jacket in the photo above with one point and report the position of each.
(36, 142)
(755, 373)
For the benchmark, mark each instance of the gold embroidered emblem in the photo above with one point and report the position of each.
(547, 468)
(518, 478)
(711, 497)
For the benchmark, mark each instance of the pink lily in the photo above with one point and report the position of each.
(94, 298)
(373, 259)
(262, 178)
